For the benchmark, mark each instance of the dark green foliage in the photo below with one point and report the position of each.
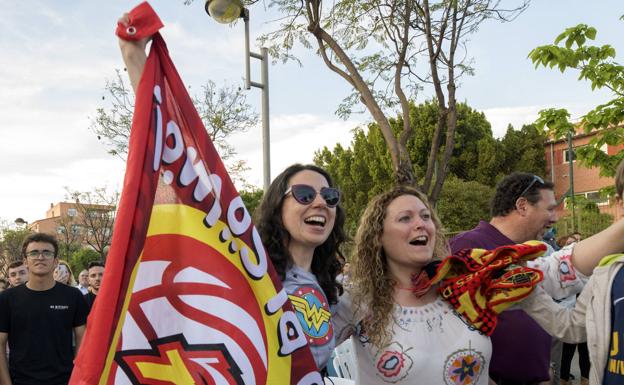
(79, 260)
(364, 169)
(251, 198)
(11, 244)
(462, 204)
(523, 150)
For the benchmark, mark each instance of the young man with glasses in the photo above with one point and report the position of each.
(39, 320)
(523, 208)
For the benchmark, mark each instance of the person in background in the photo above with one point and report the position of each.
(83, 282)
(18, 273)
(95, 274)
(523, 209)
(556, 350)
(550, 239)
(343, 277)
(40, 320)
(63, 273)
(598, 316)
(3, 284)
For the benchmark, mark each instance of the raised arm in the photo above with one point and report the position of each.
(588, 252)
(133, 54)
(566, 324)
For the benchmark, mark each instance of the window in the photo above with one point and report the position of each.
(566, 155)
(594, 196)
(603, 148)
(71, 212)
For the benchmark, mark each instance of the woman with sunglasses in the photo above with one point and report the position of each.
(301, 225)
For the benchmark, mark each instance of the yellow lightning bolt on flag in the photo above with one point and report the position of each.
(314, 316)
(175, 373)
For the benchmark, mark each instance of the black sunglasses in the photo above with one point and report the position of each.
(536, 179)
(305, 194)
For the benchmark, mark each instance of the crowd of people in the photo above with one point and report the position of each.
(384, 296)
(43, 314)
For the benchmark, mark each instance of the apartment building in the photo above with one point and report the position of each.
(587, 181)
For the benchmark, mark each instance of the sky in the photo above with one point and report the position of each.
(57, 55)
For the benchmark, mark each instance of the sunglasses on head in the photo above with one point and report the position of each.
(306, 194)
(536, 179)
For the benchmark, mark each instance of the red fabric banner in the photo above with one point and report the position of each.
(189, 294)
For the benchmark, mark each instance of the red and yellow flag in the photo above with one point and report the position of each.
(189, 294)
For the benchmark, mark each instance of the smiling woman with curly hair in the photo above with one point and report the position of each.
(401, 337)
(373, 278)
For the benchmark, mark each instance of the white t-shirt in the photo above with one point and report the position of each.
(430, 344)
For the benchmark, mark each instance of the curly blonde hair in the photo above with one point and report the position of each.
(373, 286)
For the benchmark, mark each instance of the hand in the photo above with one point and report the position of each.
(133, 53)
(61, 274)
(130, 45)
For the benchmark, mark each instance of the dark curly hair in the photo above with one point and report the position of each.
(512, 187)
(325, 263)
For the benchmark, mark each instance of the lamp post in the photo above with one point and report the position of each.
(226, 12)
(571, 156)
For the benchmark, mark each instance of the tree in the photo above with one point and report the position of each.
(365, 169)
(222, 110)
(376, 46)
(252, 198)
(79, 259)
(596, 64)
(475, 150)
(11, 245)
(463, 204)
(523, 150)
(96, 215)
(69, 236)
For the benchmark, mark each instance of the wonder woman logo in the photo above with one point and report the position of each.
(313, 313)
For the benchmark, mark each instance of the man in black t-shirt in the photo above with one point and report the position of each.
(39, 320)
(95, 274)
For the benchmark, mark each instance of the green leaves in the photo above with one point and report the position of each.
(478, 160)
(595, 64)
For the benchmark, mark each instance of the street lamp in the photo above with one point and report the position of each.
(225, 12)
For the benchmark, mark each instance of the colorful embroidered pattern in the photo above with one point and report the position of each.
(394, 364)
(463, 367)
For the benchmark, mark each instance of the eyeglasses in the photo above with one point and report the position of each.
(305, 194)
(46, 254)
(536, 179)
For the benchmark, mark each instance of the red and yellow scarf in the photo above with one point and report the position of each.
(480, 284)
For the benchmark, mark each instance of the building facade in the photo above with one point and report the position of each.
(587, 181)
(86, 225)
